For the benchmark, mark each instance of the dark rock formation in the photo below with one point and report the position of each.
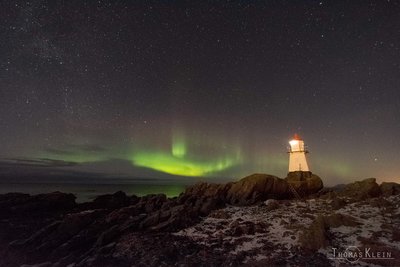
(113, 201)
(208, 190)
(271, 204)
(389, 189)
(52, 229)
(24, 204)
(338, 203)
(305, 183)
(256, 188)
(317, 235)
(361, 190)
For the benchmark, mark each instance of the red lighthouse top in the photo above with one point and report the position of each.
(296, 137)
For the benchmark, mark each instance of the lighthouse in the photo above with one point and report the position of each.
(300, 179)
(297, 155)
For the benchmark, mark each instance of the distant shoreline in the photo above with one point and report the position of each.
(85, 192)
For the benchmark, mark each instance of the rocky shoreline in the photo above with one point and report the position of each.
(208, 224)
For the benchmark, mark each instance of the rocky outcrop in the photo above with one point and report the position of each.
(256, 188)
(299, 233)
(91, 228)
(113, 201)
(305, 183)
(390, 189)
(338, 203)
(361, 190)
(207, 190)
(53, 229)
(317, 235)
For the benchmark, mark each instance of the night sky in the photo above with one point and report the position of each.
(161, 90)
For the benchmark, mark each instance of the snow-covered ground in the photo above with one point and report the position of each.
(262, 233)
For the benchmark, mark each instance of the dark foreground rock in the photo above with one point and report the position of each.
(361, 190)
(390, 189)
(15, 204)
(317, 235)
(301, 233)
(120, 230)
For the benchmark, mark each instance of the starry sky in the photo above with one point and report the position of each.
(198, 90)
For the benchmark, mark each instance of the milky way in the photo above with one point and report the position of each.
(200, 89)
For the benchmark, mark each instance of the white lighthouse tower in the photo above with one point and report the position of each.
(297, 155)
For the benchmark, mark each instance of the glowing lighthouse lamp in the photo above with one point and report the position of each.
(297, 155)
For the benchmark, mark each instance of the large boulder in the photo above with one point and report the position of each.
(203, 189)
(317, 235)
(305, 183)
(361, 190)
(112, 201)
(256, 188)
(153, 202)
(389, 189)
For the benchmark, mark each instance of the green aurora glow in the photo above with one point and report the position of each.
(180, 162)
(171, 164)
(178, 146)
(193, 157)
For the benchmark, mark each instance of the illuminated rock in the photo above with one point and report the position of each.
(255, 188)
(305, 183)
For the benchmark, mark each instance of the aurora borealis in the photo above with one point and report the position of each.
(178, 162)
(195, 91)
(178, 146)
(179, 166)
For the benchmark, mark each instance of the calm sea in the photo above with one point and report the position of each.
(87, 192)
